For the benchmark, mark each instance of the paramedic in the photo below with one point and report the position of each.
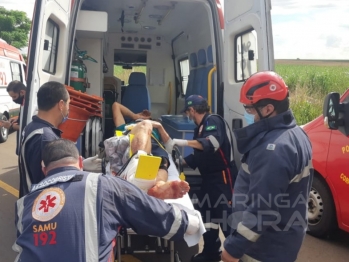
(16, 90)
(53, 109)
(73, 215)
(272, 189)
(213, 157)
(145, 141)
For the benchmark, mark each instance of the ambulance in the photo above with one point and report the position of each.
(184, 47)
(169, 49)
(12, 67)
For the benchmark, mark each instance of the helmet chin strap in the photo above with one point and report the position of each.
(260, 114)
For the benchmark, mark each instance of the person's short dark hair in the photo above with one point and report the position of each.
(280, 106)
(202, 109)
(50, 94)
(59, 149)
(15, 86)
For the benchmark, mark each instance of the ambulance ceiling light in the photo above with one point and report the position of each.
(158, 17)
(148, 27)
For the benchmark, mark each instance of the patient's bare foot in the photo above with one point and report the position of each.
(169, 189)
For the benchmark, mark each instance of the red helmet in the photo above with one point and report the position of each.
(263, 85)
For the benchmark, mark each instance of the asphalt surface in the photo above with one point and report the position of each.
(335, 249)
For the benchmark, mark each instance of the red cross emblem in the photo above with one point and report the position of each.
(46, 204)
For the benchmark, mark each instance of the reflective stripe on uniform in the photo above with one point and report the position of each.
(247, 233)
(90, 210)
(305, 173)
(20, 208)
(214, 142)
(176, 222)
(244, 167)
(27, 177)
(211, 226)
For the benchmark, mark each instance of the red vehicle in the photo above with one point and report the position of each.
(329, 197)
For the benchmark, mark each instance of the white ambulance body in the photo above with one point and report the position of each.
(12, 67)
(187, 47)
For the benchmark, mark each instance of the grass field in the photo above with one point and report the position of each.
(309, 81)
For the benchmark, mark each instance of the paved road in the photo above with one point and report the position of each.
(313, 249)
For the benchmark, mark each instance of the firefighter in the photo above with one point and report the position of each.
(272, 188)
(53, 109)
(213, 156)
(73, 215)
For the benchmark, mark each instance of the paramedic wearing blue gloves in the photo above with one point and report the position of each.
(53, 109)
(213, 157)
(73, 215)
(272, 189)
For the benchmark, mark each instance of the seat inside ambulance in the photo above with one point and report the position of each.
(145, 42)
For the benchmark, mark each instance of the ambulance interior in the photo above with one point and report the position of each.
(146, 45)
(151, 44)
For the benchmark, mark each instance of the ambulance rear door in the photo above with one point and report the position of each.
(50, 48)
(248, 48)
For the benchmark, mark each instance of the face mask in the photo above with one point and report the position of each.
(249, 118)
(19, 100)
(65, 118)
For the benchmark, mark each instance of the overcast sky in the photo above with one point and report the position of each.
(306, 29)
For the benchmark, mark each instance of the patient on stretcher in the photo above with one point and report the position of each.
(134, 141)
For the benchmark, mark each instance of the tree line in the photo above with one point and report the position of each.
(14, 27)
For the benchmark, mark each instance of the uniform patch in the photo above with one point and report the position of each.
(210, 128)
(48, 204)
(270, 146)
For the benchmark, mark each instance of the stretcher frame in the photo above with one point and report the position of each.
(163, 246)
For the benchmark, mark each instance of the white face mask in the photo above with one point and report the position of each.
(249, 118)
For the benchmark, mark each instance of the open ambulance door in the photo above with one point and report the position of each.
(248, 48)
(50, 48)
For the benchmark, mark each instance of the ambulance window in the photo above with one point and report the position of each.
(246, 55)
(184, 66)
(50, 47)
(16, 71)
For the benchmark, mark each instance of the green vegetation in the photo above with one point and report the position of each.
(309, 83)
(14, 27)
(124, 74)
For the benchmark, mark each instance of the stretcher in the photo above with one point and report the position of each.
(141, 247)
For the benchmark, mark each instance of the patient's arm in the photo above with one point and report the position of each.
(120, 112)
(163, 134)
